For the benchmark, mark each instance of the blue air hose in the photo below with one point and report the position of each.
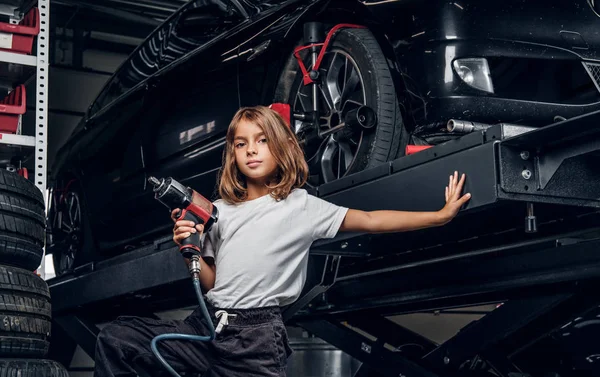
(200, 338)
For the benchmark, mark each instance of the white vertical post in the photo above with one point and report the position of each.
(41, 118)
(41, 107)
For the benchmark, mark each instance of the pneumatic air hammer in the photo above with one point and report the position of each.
(194, 207)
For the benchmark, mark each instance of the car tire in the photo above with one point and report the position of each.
(22, 222)
(389, 138)
(31, 368)
(25, 314)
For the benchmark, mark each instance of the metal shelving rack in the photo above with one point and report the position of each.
(20, 68)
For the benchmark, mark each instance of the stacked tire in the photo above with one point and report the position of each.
(25, 310)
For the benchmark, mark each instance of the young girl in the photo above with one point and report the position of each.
(254, 259)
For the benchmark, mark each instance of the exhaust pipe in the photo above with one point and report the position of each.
(507, 129)
(464, 127)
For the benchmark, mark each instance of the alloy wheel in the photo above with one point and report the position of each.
(341, 90)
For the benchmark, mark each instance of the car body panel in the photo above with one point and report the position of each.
(532, 38)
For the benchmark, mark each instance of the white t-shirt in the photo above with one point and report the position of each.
(261, 248)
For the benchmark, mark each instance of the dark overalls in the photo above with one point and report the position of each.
(252, 342)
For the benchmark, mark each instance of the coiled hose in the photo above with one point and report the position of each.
(200, 338)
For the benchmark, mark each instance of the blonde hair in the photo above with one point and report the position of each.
(292, 168)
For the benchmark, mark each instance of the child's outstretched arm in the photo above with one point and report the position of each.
(402, 221)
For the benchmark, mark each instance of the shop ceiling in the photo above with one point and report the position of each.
(135, 18)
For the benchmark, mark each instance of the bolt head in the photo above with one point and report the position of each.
(526, 174)
(446, 360)
(525, 155)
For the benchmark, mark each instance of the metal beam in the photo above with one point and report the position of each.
(387, 331)
(62, 345)
(560, 160)
(469, 279)
(328, 277)
(149, 268)
(495, 177)
(82, 331)
(377, 357)
(482, 335)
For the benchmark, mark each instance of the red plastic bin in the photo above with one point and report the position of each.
(19, 38)
(11, 109)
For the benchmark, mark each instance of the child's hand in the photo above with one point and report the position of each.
(183, 228)
(175, 214)
(454, 198)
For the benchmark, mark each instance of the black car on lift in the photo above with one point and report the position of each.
(417, 64)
